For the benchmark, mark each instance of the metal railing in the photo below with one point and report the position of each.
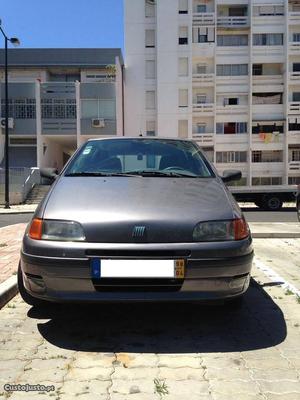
(203, 107)
(203, 18)
(203, 78)
(22, 180)
(233, 21)
(203, 138)
(294, 166)
(294, 107)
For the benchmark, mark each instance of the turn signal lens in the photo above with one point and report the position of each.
(35, 230)
(241, 229)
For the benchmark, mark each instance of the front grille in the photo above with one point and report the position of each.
(149, 254)
(137, 284)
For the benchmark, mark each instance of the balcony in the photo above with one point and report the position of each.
(233, 22)
(268, 80)
(203, 109)
(232, 109)
(294, 167)
(294, 18)
(295, 77)
(203, 19)
(294, 48)
(59, 126)
(238, 138)
(203, 79)
(268, 112)
(204, 139)
(294, 108)
(294, 137)
(270, 168)
(268, 54)
(204, 49)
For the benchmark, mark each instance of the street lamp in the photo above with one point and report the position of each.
(15, 41)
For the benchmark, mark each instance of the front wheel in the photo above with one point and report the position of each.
(32, 301)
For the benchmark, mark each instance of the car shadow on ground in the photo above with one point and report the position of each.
(165, 328)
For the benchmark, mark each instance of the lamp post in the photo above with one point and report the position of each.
(15, 42)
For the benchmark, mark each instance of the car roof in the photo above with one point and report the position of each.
(141, 138)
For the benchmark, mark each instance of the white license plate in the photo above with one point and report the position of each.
(138, 268)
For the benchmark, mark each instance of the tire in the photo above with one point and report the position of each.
(272, 203)
(30, 300)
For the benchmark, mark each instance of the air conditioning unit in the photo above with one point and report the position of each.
(10, 123)
(98, 123)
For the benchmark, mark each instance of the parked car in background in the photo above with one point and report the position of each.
(138, 219)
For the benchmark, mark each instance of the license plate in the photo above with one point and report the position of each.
(137, 268)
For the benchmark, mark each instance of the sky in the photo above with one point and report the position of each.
(64, 23)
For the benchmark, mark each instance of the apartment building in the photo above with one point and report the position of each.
(59, 98)
(225, 73)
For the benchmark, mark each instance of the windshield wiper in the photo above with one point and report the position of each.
(162, 174)
(107, 174)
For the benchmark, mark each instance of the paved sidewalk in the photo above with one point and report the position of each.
(19, 209)
(10, 245)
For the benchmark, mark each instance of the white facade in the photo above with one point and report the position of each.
(225, 73)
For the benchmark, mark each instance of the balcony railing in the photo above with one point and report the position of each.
(204, 138)
(294, 108)
(294, 18)
(203, 18)
(204, 78)
(294, 137)
(233, 22)
(267, 80)
(295, 47)
(203, 108)
(233, 109)
(294, 166)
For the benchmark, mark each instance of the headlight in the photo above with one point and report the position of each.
(69, 231)
(214, 231)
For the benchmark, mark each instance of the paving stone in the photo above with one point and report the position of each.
(223, 362)
(228, 374)
(95, 387)
(287, 396)
(87, 360)
(180, 361)
(275, 374)
(34, 376)
(124, 386)
(133, 360)
(241, 396)
(133, 396)
(280, 387)
(134, 373)
(82, 374)
(234, 387)
(269, 363)
(185, 388)
(184, 373)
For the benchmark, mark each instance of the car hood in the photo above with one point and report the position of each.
(109, 208)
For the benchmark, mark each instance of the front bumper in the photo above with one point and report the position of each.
(61, 272)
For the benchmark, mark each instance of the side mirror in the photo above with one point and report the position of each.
(49, 173)
(231, 175)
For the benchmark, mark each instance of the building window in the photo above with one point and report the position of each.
(237, 11)
(19, 108)
(183, 128)
(231, 157)
(98, 108)
(268, 39)
(183, 35)
(150, 100)
(232, 40)
(200, 98)
(201, 128)
(150, 128)
(183, 66)
(267, 181)
(294, 180)
(201, 68)
(231, 101)
(296, 96)
(13, 141)
(203, 35)
(149, 8)
(266, 11)
(150, 69)
(231, 128)
(232, 69)
(296, 67)
(183, 98)
(183, 7)
(295, 155)
(201, 8)
(257, 69)
(296, 37)
(150, 38)
(267, 156)
(256, 129)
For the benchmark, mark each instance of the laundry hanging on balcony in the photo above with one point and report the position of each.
(267, 99)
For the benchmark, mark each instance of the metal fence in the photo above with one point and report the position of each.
(21, 181)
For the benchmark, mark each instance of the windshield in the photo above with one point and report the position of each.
(144, 157)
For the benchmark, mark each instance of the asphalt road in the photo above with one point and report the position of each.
(252, 215)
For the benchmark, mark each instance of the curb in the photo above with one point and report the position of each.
(17, 212)
(8, 289)
(275, 235)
